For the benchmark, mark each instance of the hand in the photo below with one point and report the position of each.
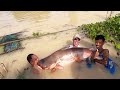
(53, 70)
(52, 66)
(96, 54)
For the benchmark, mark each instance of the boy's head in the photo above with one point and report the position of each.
(99, 41)
(76, 40)
(32, 59)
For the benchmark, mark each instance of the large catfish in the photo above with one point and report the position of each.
(65, 55)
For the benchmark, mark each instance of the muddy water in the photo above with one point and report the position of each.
(48, 22)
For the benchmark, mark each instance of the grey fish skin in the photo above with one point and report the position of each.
(66, 54)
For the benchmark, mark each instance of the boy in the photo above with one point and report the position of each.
(75, 42)
(102, 55)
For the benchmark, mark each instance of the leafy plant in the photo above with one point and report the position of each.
(117, 46)
(37, 34)
(110, 28)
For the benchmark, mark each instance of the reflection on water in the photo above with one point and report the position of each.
(31, 15)
(73, 17)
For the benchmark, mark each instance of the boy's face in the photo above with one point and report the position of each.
(99, 43)
(76, 42)
(34, 60)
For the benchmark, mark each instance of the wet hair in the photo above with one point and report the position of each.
(29, 57)
(98, 37)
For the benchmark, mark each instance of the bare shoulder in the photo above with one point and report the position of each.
(106, 51)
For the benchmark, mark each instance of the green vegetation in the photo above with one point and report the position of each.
(110, 28)
(21, 75)
(37, 34)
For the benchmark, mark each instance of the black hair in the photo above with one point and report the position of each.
(77, 39)
(29, 57)
(98, 37)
